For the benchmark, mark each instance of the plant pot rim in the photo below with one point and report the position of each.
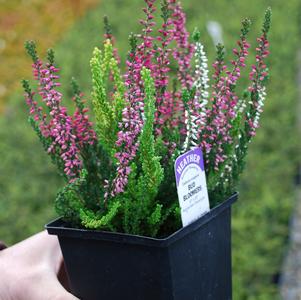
(60, 228)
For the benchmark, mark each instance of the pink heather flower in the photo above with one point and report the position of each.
(128, 142)
(257, 75)
(35, 110)
(184, 51)
(157, 59)
(224, 103)
(83, 128)
(133, 114)
(131, 125)
(164, 100)
(182, 54)
(161, 69)
(60, 126)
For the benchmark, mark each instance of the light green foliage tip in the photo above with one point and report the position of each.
(107, 111)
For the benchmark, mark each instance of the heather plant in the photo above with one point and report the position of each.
(119, 172)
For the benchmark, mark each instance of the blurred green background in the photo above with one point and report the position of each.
(28, 182)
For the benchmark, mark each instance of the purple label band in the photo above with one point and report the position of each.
(194, 156)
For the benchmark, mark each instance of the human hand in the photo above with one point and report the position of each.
(29, 270)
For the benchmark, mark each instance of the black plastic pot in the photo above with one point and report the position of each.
(193, 263)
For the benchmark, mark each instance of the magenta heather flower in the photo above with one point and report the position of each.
(224, 100)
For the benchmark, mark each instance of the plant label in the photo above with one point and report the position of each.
(191, 186)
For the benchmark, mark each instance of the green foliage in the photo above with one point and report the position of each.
(90, 219)
(267, 21)
(68, 202)
(76, 92)
(26, 87)
(31, 48)
(119, 102)
(246, 23)
(50, 56)
(151, 167)
(187, 97)
(196, 35)
(102, 108)
(165, 12)
(96, 167)
(152, 172)
(107, 26)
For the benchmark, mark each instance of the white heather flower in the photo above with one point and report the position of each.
(260, 104)
(196, 117)
(240, 106)
(201, 79)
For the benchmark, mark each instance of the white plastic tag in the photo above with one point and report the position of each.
(191, 186)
